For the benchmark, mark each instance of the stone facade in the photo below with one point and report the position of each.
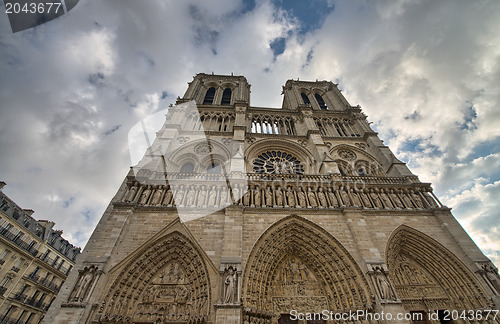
(241, 214)
(34, 262)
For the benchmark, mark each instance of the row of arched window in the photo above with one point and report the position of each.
(319, 99)
(210, 96)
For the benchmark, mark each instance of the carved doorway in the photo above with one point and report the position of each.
(296, 265)
(165, 282)
(427, 276)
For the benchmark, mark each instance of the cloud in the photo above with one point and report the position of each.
(425, 72)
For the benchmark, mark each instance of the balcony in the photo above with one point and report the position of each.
(15, 239)
(2, 290)
(46, 283)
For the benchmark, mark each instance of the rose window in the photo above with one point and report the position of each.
(277, 162)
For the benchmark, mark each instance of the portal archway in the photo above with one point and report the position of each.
(427, 276)
(297, 265)
(166, 281)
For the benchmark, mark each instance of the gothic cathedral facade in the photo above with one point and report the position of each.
(243, 214)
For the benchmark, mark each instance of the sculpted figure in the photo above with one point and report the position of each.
(279, 196)
(168, 197)
(81, 287)
(406, 200)
(396, 200)
(269, 197)
(248, 196)
(236, 194)
(355, 199)
(211, 197)
(190, 196)
(492, 276)
(302, 198)
(365, 199)
(179, 195)
(229, 284)
(385, 200)
(145, 195)
(290, 197)
(322, 198)
(223, 196)
(256, 197)
(312, 198)
(375, 198)
(384, 286)
(202, 196)
(157, 196)
(131, 194)
(417, 200)
(333, 199)
(345, 198)
(429, 199)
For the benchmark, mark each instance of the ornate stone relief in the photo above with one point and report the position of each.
(277, 162)
(380, 280)
(490, 276)
(166, 282)
(347, 155)
(296, 265)
(87, 278)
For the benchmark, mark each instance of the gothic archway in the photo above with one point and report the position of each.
(297, 265)
(166, 281)
(427, 276)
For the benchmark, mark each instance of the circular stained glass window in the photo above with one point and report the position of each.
(277, 162)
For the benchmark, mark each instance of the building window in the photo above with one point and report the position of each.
(187, 168)
(209, 96)
(277, 162)
(214, 168)
(321, 102)
(3, 256)
(226, 97)
(305, 98)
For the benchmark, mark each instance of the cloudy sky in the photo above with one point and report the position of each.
(427, 73)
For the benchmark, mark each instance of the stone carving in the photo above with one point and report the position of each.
(130, 195)
(347, 155)
(384, 288)
(313, 203)
(145, 195)
(417, 200)
(396, 200)
(229, 286)
(256, 197)
(334, 203)
(277, 162)
(269, 197)
(385, 199)
(345, 198)
(292, 263)
(491, 276)
(365, 199)
(375, 199)
(203, 149)
(179, 196)
(84, 284)
(279, 197)
(302, 198)
(211, 197)
(223, 196)
(190, 197)
(167, 201)
(356, 202)
(167, 282)
(322, 198)
(290, 197)
(202, 196)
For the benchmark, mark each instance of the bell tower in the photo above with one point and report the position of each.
(242, 214)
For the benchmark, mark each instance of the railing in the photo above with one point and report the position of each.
(2, 290)
(44, 282)
(15, 239)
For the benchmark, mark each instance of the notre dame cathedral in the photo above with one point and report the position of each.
(243, 214)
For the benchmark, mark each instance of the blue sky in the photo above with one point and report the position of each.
(425, 72)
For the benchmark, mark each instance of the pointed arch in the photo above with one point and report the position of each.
(422, 267)
(296, 264)
(166, 280)
(209, 96)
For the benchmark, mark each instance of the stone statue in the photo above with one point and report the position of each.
(322, 198)
(236, 194)
(223, 196)
(190, 196)
(356, 202)
(290, 197)
(302, 198)
(345, 198)
(131, 194)
(492, 276)
(384, 286)
(202, 196)
(385, 200)
(279, 197)
(333, 199)
(211, 197)
(417, 200)
(396, 200)
(82, 285)
(145, 195)
(229, 284)
(312, 198)
(167, 201)
(269, 197)
(376, 199)
(179, 195)
(256, 197)
(247, 197)
(157, 196)
(406, 200)
(365, 199)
